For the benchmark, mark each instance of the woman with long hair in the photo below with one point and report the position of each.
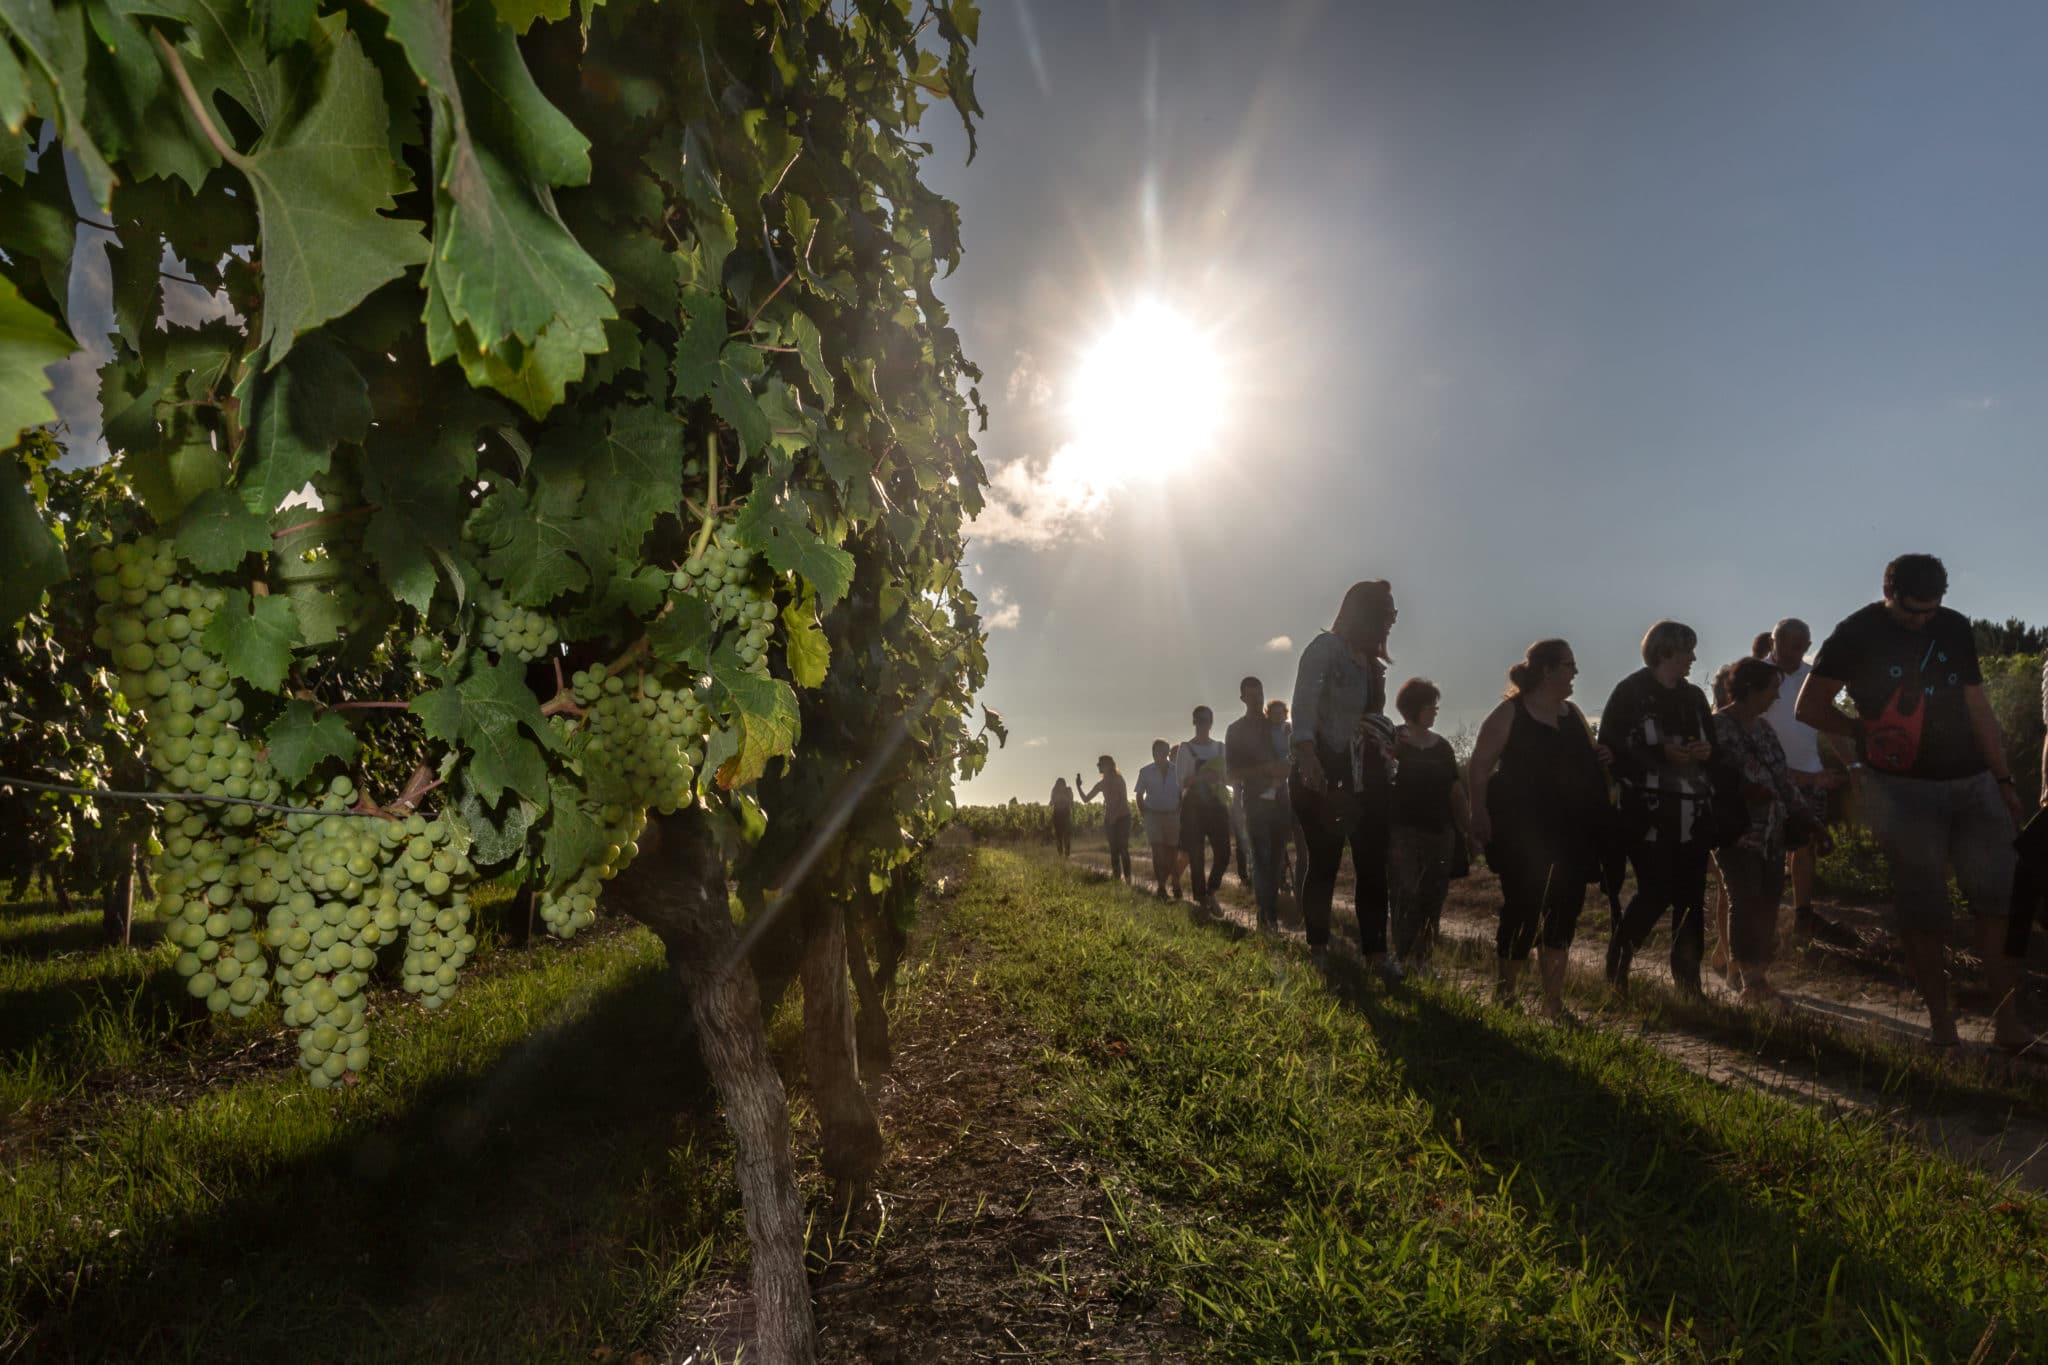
(1538, 786)
(1342, 770)
(1116, 815)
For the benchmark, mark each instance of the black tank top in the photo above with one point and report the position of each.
(1547, 772)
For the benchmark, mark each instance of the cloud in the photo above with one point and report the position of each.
(1027, 386)
(1003, 614)
(1036, 742)
(1039, 502)
(1980, 403)
(1280, 644)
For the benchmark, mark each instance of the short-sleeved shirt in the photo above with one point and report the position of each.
(1908, 689)
(1157, 789)
(1192, 756)
(1800, 741)
(1423, 783)
(1249, 742)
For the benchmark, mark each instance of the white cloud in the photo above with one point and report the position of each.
(1036, 742)
(1039, 502)
(1003, 614)
(1280, 644)
(1027, 386)
(1980, 403)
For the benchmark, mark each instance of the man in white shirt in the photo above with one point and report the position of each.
(1801, 743)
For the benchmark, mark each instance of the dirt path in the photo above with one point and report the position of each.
(986, 1237)
(1849, 990)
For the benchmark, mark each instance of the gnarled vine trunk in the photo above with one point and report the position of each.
(850, 1131)
(871, 1024)
(676, 887)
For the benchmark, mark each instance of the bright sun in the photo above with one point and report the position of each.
(1148, 396)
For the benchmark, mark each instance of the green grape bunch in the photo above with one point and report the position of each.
(206, 867)
(573, 907)
(353, 886)
(734, 582)
(518, 631)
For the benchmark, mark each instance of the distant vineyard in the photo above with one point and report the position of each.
(1020, 821)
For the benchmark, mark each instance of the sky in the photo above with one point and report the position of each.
(1561, 317)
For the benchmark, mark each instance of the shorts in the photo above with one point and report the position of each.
(1928, 827)
(1162, 827)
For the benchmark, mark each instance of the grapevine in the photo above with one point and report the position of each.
(496, 309)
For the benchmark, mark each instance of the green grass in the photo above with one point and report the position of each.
(532, 1173)
(1325, 1170)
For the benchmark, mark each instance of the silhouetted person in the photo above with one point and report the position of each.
(1063, 815)
(1290, 853)
(1660, 730)
(1802, 746)
(1204, 807)
(1933, 782)
(1540, 808)
(1753, 865)
(1341, 784)
(1158, 797)
(1255, 751)
(1429, 810)
(1116, 814)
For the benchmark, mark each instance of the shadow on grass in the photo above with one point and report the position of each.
(47, 1018)
(1647, 1192)
(515, 1214)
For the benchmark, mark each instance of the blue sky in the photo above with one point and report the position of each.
(1563, 317)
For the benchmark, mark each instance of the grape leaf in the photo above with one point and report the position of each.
(418, 480)
(29, 340)
(810, 350)
(296, 414)
(630, 463)
(519, 15)
(301, 738)
(793, 547)
(493, 837)
(323, 184)
(487, 714)
(54, 42)
(30, 557)
(254, 638)
(736, 405)
(697, 349)
(218, 529)
(804, 646)
(573, 840)
(508, 277)
(682, 634)
(537, 548)
(762, 723)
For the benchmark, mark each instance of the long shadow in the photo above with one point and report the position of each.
(476, 1225)
(1648, 1193)
(42, 1017)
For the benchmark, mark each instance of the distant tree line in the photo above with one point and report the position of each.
(2013, 636)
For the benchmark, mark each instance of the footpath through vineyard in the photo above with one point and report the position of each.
(1852, 1040)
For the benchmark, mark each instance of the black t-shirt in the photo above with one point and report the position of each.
(1423, 782)
(1908, 689)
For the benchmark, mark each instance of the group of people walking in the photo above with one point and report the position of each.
(1670, 783)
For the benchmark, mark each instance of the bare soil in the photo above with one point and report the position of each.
(987, 1235)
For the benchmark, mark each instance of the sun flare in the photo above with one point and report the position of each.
(1148, 397)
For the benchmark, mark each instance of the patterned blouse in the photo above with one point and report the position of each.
(1752, 747)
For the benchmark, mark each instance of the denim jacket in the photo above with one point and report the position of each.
(1333, 691)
